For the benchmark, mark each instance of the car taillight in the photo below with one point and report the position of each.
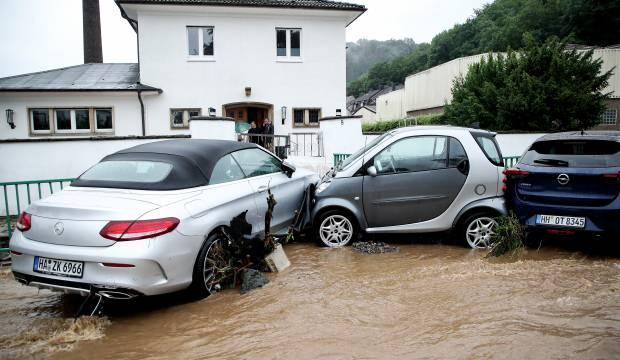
(612, 178)
(515, 173)
(139, 229)
(24, 222)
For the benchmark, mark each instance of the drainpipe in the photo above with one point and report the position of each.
(142, 111)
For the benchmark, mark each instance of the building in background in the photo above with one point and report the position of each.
(428, 91)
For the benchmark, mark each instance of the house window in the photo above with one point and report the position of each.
(179, 118)
(306, 117)
(40, 121)
(200, 42)
(288, 43)
(67, 121)
(609, 117)
(103, 119)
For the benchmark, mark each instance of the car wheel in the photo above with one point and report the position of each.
(210, 270)
(335, 229)
(477, 230)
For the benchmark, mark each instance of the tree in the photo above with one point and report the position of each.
(543, 87)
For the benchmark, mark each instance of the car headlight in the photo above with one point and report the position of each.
(322, 187)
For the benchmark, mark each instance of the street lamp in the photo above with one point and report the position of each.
(283, 113)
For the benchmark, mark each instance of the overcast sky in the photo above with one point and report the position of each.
(40, 35)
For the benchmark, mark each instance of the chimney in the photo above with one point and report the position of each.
(91, 27)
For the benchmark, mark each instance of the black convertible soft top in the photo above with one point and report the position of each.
(192, 162)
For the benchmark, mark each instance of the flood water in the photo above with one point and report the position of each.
(428, 301)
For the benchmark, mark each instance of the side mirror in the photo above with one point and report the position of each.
(288, 168)
(372, 171)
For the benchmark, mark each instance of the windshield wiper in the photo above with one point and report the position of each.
(555, 162)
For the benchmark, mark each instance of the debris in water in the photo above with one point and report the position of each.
(252, 279)
(371, 247)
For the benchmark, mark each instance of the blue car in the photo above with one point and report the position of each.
(568, 183)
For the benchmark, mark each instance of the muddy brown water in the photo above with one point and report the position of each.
(426, 302)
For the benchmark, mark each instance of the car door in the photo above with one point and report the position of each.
(416, 180)
(264, 171)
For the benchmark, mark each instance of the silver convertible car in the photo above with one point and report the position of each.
(144, 220)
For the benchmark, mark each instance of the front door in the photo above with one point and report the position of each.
(417, 180)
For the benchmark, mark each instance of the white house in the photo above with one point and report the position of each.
(245, 59)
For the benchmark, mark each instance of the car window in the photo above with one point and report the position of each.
(573, 153)
(128, 171)
(489, 148)
(420, 153)
(226, 170)
(457, 153)
(255, 162)
(346, 162)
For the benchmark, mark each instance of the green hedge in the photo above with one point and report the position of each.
(383, 126)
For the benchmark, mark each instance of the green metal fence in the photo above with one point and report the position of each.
(509, 161)
(19, 194)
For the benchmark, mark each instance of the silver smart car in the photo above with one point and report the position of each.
(414, 180)
(145, 220)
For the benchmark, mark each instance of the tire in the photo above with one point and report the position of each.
(476, 230)
(335, 229)
(213, 252)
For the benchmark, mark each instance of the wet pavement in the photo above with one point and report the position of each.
(427, 301)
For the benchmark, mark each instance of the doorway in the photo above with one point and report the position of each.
(247, 112)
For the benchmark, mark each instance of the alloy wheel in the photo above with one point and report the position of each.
(479, 232)
(336, 231)
(216, 266)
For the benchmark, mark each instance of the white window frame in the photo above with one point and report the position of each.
(72, 117)
(614, 116)
(50, 121)
(186, 117)
(288, 57)
(306, 122)
(199, 57)
(94, 120)
(54, 131)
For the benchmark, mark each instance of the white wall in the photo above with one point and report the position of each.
(51, 160)
(368, 116)
(390, 106)
(125, 110)
(245, 56)
(432, 88)
(515, 144)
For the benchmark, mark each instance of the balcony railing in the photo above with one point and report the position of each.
(19, 194)
(278, 144)
(306, 144)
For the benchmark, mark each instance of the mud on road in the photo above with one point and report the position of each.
(426, 301)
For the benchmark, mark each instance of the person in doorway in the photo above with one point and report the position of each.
(268, 130)
(253, 133)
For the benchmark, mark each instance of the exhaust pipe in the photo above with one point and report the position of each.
(116, 295)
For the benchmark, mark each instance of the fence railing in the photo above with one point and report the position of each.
(19, 194)
(306, 144)
(278, 144)
(509, 161)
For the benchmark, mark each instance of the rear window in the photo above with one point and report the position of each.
(573, 153)
(133, 171)
(489, 147)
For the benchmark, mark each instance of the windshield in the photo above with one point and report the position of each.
(361, 151)
(128, 171)
(573, 153)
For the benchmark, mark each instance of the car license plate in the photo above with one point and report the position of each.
(564, 221)
(58, 267)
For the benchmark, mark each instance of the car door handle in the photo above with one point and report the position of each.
(262, 188)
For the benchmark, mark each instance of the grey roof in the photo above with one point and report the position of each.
(85, 77)
(304, 4)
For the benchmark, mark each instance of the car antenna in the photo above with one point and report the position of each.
(583, 132)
